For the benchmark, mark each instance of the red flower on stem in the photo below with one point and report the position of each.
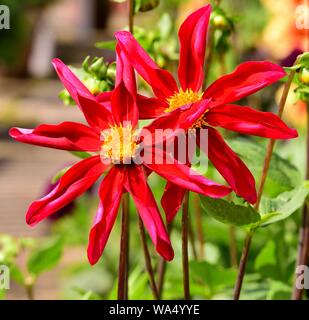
(247, 78)
(111, 136)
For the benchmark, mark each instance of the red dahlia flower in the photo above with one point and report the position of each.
(116, 118)
(248, 78)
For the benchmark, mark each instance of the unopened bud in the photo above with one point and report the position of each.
(220, 22)
(111, 72)
(304, 76)
(147, 5)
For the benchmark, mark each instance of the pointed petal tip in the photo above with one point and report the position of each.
(93, 259)
(30, 220)
(57, 63)
(165, 250)
(252, 198)
(294, 134)
(13, 132)
(123, 35)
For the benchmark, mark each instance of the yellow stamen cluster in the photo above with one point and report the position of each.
(201, 122)
(182, 98)
(119, 144)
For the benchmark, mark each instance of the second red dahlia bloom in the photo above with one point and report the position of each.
(248, 78)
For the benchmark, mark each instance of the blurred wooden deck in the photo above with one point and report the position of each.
(25, 169)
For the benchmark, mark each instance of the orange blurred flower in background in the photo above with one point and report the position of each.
(282, 36)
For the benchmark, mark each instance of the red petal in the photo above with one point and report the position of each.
(249, 121)
(162, 82)
(70, 81)
(125, 72)
(180, 174)
(110, 195)
(230, 166)
(98, 116)
(150, 108)
(248, 78)
(192, 38)
(182, 118)
(124, 107)
(95, 113)
(70, 136)
(75, 182)
(172, 200)
(148, 211)
(105, 99)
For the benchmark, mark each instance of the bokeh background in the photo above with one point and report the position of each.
(29, 90)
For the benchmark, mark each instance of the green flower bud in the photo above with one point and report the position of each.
(66, 98)
(147, 5)
(220, 22)
(103, 86)
(93, 85)
(304, 76)
(98, 68)
(161, 61)
(111, 72)
(86, 63)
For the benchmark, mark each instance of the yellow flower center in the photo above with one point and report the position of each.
(182, 98)
(119, 144)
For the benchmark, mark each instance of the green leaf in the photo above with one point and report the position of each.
(267, 256)
(81, 154)
(87, 295)
(107, 45)
(281, 207)
(282, 175)
(60, 174)
(17, 275)
(46, 256)
(213, 276)
(279, 291)
(147, 5)
(230, 213)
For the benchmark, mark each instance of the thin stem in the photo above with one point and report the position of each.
(209, 57)
(199, 226)
(29, 290)
(242, 265)
(222, 63)
(124, 251)
(271, 143)
(192, 238)
(148, 260)
(269, 151)
(185, 256)
(233, 246)
(303, 244)
(131, 15)
(162, 268)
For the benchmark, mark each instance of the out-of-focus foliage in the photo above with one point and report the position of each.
(97, 75)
